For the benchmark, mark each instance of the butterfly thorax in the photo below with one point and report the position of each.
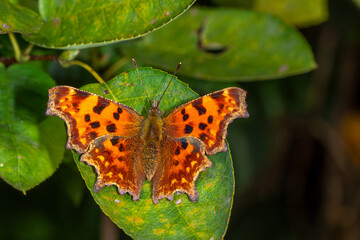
(151, 136)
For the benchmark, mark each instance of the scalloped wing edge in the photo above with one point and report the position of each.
(193, 196)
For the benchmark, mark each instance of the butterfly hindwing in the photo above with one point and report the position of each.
(117, 162)
(207, 118)
(89, 116)
(181, 162)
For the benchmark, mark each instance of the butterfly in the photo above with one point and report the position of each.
(126, 148)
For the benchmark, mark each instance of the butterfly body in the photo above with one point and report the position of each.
(152, 139)
(125, 148)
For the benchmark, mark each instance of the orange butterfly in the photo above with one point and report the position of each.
(125, 147)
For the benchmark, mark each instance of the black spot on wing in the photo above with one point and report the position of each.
(188, 129)
(121, 147)
(184, 145)
(114, 141)
(202, 126)
(116, 116)
(199, 106)
(203, 137)
(217, 95)
(183, 111)
(111, 128)
(101, 105)
(177, 151)
(82, 94)
(210, 119)
(95, 124)
(87, 118)
(92, 135)
(119, 110)
(185, 117)
(221, 107)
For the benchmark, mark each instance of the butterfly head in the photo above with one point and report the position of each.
(155, 103)
(155, 107)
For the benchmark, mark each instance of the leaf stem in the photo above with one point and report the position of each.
(115, 67)
(90, 70)
(14, 43)
(28, 49)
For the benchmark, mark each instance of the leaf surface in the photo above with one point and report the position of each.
(88, 23)
(254, 46)
(301, 13)
(31, 146)
(16, 18)
(180, 219)
(357, 2)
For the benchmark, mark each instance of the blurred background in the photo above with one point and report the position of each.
(296, 159)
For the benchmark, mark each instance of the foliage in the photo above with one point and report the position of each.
(220, 43)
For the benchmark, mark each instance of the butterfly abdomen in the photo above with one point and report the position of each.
(152, 136)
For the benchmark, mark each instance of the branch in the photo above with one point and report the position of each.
(7, 61)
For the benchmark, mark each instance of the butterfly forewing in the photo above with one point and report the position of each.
(207, 118)
(89, 116)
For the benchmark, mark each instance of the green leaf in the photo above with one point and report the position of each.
(16, 18)
(68, 55)
(301, 13)
(82, 24)
(234, 3)
(31, 146)
(357, 2)
(180, 219)
(226, 45)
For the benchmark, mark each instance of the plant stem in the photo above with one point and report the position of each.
(90, 70)
(114, 68)
(28, 49)
(14, 43)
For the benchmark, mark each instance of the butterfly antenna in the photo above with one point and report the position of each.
(134, 62)
(168, 84)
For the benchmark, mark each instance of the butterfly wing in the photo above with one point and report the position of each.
(180, 163)
(89, 116)
(207, 118)
(117, 161)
